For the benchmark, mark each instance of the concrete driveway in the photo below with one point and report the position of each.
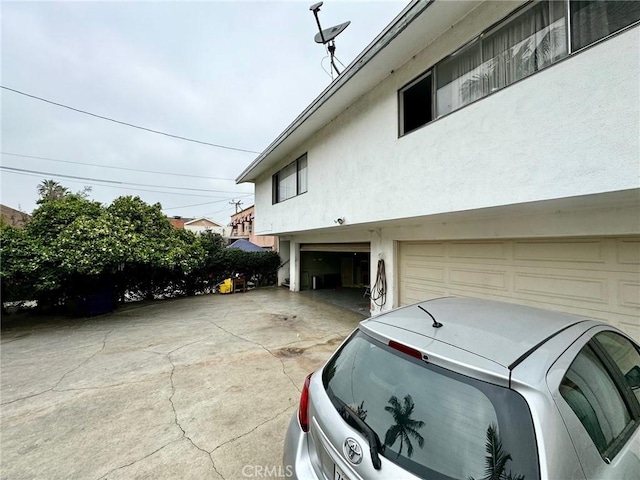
(199, 387)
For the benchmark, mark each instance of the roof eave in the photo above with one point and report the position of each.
(397, 26)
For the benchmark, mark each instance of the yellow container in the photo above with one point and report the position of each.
(226, 286)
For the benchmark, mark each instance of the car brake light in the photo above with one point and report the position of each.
(412, 352)
(303, 409)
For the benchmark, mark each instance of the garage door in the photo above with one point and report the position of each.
(598, 277)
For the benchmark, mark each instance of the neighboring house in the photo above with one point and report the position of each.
(178, 222)
(484, 149)
(14, 217)
(200, 225)
(242, 226)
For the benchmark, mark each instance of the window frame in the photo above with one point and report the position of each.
(275, 179)
(430, 72)
(617, 375)
(617, 378)
(478, 39)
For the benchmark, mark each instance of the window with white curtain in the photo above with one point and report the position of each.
(290, 181)
(527, 41)
(594, 20)
(460, 79)
(533, 39)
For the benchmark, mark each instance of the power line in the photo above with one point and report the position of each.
(128, 124)
(195, 205)
(115, 181)
(215, 213)
(114, 168)
(129, 188)
(205, 203)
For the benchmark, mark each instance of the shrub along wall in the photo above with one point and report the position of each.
(74, 248)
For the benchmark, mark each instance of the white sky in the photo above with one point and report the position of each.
(229, 73)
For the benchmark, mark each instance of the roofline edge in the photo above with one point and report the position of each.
(397, 26)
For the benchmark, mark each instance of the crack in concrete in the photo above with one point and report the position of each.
(138, 460)
(104, 344)
(175, 412)
(254, 428)
(25, 398)
(80, 389)
(284, 371)
(53, 389)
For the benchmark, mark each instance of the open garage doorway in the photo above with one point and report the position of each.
(338, 273)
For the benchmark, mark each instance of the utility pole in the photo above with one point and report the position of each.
(237, 204)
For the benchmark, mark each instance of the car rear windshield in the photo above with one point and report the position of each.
(431, 421)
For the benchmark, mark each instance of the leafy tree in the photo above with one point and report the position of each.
(75, 247)
(51, 228)
(404, 426)
(160, 260)
(24, 265)
(91, 246)
(53, 216)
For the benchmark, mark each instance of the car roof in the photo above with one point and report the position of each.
(503, 333)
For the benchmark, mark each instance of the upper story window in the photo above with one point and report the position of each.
(290, 181)
(594, 20)
(527, 41)
(416, 105)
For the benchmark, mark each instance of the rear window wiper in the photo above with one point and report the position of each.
(356, 422)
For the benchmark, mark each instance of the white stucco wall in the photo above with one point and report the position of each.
(570, 130)
(617, 216)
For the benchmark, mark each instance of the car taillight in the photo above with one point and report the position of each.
(303, 409)
(405, 349)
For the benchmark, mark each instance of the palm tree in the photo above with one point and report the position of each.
(496, 458)
(404, 426)
(51, 190)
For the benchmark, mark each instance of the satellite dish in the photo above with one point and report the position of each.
(328, 34)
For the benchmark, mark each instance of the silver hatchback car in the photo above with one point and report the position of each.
(460, 388)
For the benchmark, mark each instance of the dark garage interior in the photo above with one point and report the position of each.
(340, 276)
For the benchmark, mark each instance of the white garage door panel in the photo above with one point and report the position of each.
(598, 277)
(629, 251)
(562, 286)
(629, 293)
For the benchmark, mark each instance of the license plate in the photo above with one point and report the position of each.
(339, 474)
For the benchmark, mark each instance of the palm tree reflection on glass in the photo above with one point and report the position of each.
(404, 427)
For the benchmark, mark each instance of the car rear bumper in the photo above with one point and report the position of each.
(296, 461)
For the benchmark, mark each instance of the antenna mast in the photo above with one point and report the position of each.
(327, 36)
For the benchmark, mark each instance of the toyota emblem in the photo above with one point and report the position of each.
(352, 451)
